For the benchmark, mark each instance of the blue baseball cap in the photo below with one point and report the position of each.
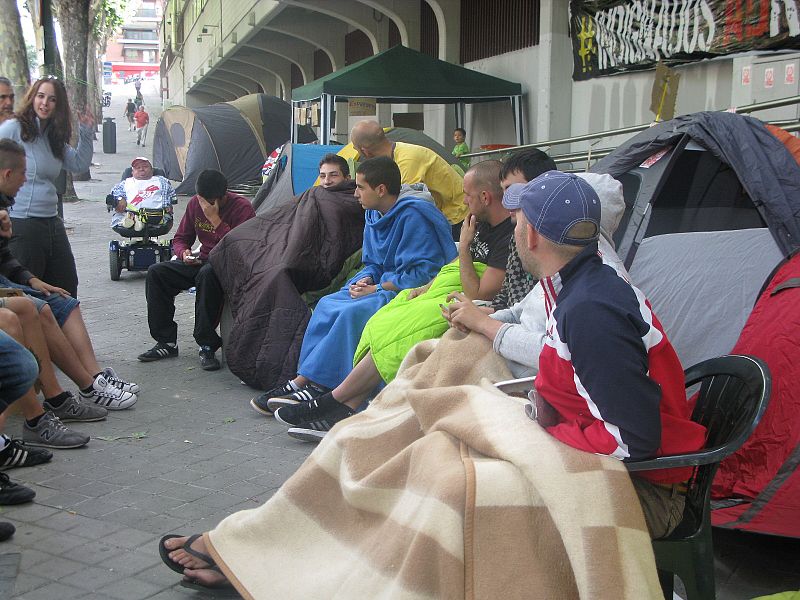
(555, 202)
(512, 194)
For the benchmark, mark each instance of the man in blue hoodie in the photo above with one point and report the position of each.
(406, 241)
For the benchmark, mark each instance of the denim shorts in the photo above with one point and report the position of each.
(19, 370)
(61, 307)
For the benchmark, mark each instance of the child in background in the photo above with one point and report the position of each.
(459, 137)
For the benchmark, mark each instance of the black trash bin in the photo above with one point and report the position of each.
(109, 136)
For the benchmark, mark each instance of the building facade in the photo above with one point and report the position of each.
(135, 50)
(217, 50)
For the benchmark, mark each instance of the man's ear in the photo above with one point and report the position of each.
(381, 190)
(533, 236)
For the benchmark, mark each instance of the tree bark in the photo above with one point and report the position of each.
(76, 29)
(13, 58)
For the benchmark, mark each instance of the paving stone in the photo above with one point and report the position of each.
(93, 579)
(131, 588)
(28, 513)
(54, 591)
(27, 581)
(64, 499)
(131, 562)
(65, 521)
(31, 557)
(56, 568)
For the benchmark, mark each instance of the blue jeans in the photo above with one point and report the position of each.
(61, 307)
(19, 370)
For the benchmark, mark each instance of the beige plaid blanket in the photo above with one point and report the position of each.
(444, 489)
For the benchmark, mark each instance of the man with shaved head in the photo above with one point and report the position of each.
(417, 164)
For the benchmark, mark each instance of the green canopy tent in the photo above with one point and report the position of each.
(402, 75)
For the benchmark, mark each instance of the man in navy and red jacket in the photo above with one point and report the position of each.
(210, 214)
(609, 380)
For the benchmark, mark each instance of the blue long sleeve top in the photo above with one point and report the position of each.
(38, 197)
(407, 245)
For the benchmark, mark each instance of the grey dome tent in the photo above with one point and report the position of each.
(232, 137)
(713, 205)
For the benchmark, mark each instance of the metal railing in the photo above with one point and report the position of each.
(622, 131)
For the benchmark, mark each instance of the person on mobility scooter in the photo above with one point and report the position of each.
(142, 205)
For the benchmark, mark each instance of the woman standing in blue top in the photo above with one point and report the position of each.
(44, 128)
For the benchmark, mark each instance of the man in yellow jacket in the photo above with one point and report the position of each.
(416, 163)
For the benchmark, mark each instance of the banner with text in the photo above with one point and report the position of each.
(613, 36)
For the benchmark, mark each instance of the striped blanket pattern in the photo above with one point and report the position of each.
(443, 488)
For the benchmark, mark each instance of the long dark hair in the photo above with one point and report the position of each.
(59, 127)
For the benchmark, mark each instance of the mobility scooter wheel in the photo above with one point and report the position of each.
(115, 265)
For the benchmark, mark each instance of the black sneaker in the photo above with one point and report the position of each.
(6, 530)
(13, 493)
(16, 454)
(159, 351)
(304, 412)
(259, 403)
(208, 362)
(322, 421)
(303, 395)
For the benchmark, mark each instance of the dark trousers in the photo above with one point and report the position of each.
(42, 246)
(165, 280)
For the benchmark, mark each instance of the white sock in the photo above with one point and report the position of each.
(5, 440)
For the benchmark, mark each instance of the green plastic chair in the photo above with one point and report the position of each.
(733, 395)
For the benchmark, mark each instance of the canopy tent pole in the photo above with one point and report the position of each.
(516, 107)
(325, 124)
(460, 114)
(293, 136)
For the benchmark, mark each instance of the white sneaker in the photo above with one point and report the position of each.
(113, 379)
(139, 224)
(128, 221)
(105, 394)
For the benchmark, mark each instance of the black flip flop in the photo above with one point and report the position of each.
(163, 551)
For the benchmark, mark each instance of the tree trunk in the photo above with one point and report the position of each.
(53, 64)
(13, 58)
(94, 87)
(76, 29)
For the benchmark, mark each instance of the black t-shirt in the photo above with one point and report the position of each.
(490, 245)
(130, 108)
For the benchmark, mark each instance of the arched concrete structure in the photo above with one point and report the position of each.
(234, 88)
(214, 92)
(317, 29)
(291, 49)
(354, 14)
(448, 21)
(239, 70)
(246, 84)
(277, 74)
(404, 14)
(277, 65)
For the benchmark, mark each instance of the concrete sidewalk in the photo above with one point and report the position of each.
(188, 454)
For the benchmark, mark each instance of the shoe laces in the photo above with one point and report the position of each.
(112, 378)
(54, 421)
(110, 391)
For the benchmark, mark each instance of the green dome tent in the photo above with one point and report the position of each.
(232, 137)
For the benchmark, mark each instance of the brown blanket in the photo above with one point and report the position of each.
(443, 488)
(267, 263)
